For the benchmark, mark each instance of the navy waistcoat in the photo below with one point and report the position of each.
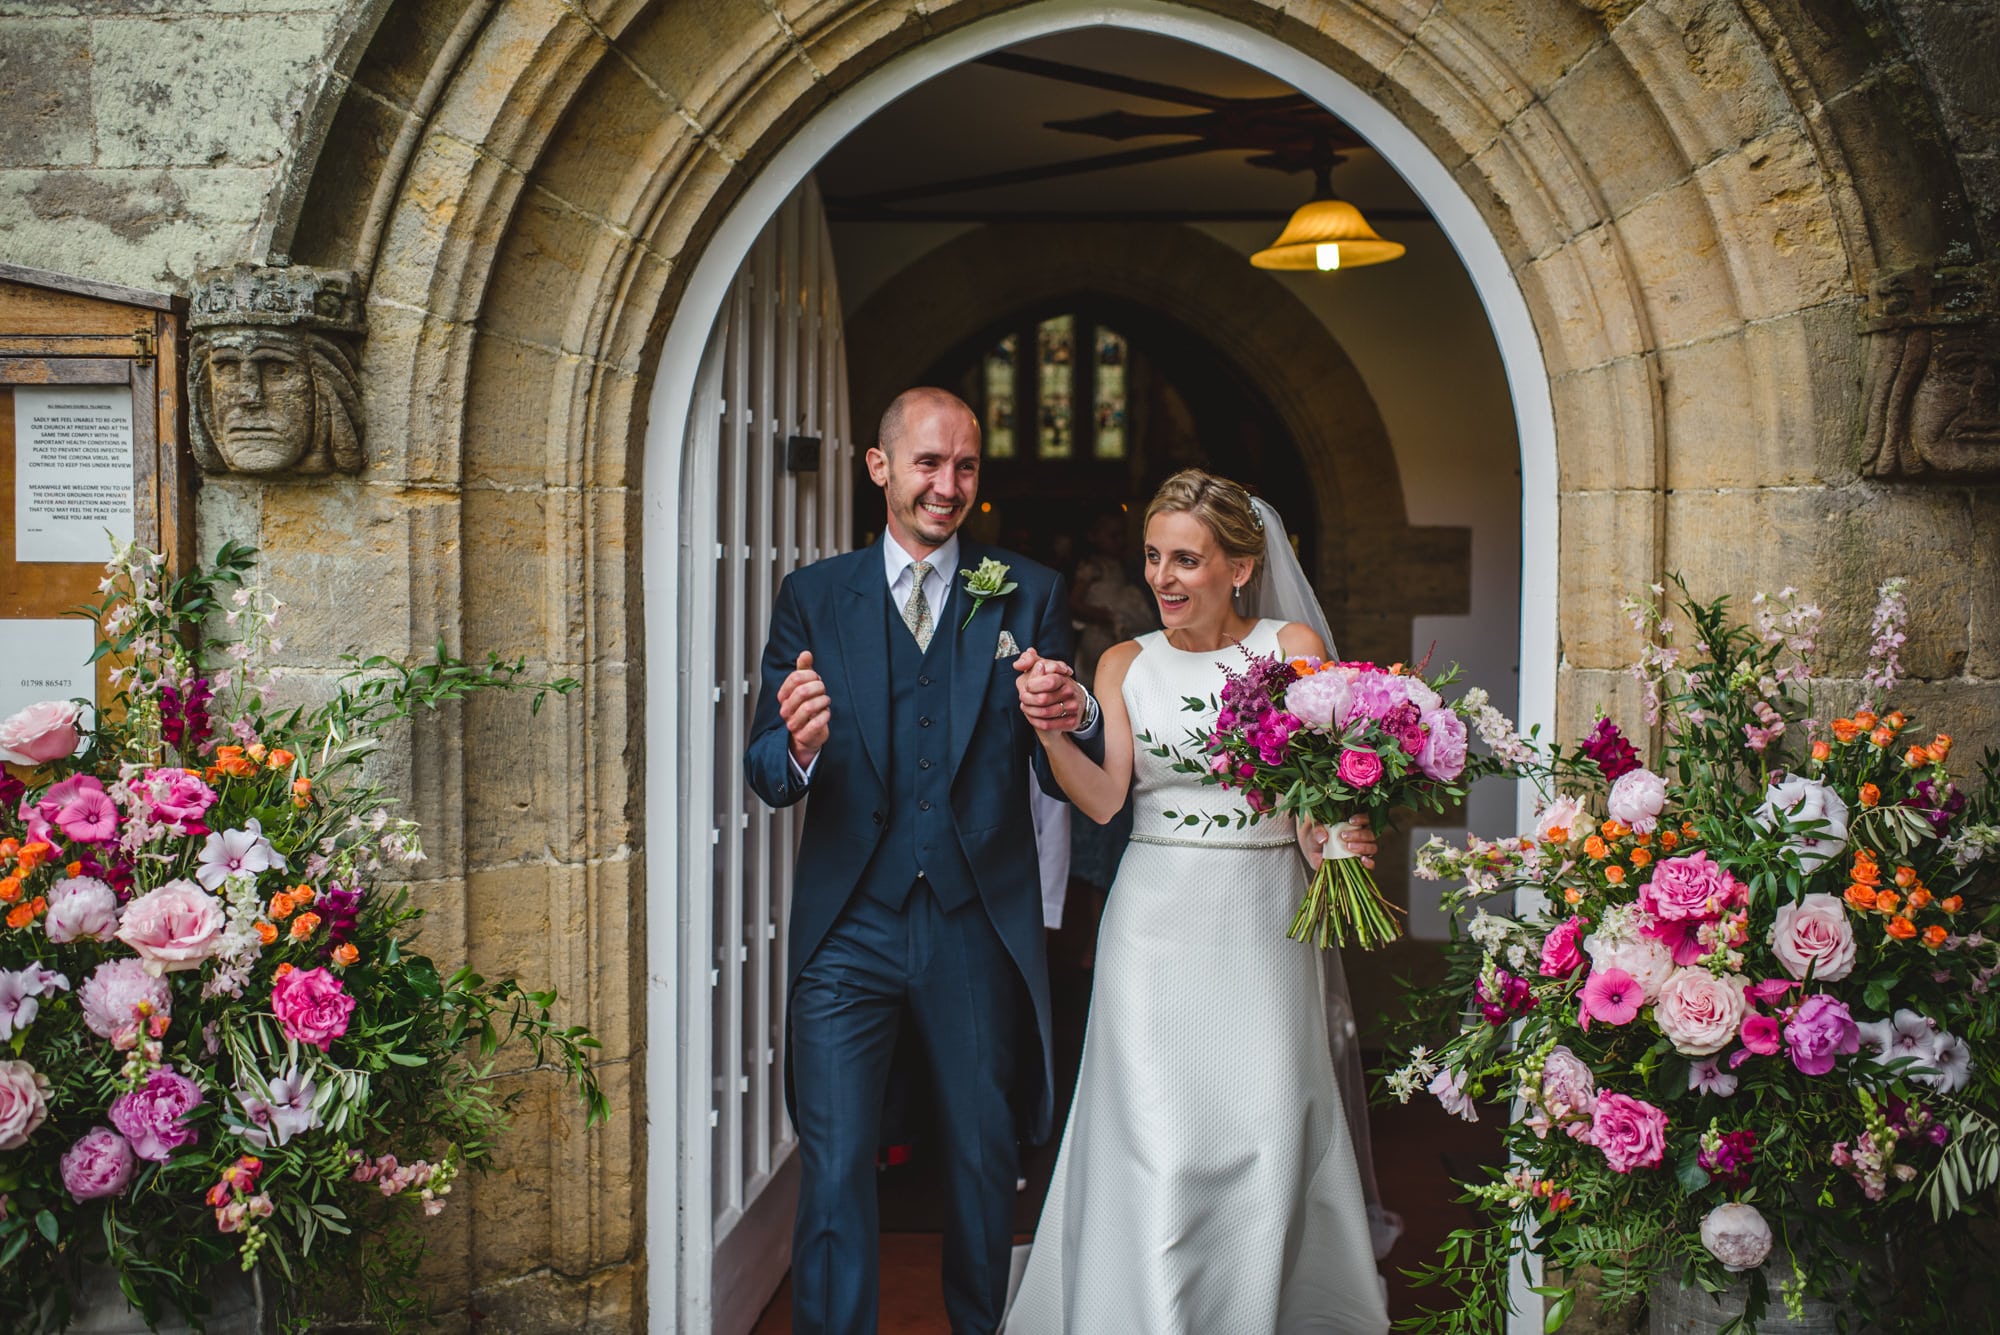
(919, 839)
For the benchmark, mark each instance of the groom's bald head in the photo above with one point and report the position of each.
(916, 408)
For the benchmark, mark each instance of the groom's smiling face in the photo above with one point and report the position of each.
(928, 469)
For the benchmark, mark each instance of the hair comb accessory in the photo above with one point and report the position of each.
(1256, 514)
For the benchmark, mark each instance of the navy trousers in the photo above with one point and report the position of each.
(949, 976)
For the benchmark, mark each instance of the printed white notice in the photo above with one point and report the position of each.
(72, 471)
(45, 660)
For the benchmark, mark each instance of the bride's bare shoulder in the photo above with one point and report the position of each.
(1112, 664)
(1300, 641)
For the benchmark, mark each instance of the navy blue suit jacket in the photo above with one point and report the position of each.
(838, 609)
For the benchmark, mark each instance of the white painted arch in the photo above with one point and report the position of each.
(676, 474)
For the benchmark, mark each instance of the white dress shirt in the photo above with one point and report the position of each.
(937, 591)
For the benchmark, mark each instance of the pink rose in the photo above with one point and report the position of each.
(1814, 934)
(99, 1164)
(1560, 954)
(312, 1006)
(1698, 1012)
(81, 908)
(112, 995)
(1442, 755)
(23, 1103)
(1689, 887)
(1820, 1029)
(1360, 769)
(153, 1117)
(176, 798)
(1637, 799)
(40, 733)
(1631, 1132)
(174, 927)
(1610, 995)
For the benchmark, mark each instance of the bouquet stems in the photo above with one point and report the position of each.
(1343, 906)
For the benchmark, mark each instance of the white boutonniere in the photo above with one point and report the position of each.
(989, 581)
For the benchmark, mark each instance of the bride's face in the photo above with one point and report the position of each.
(1189, 573)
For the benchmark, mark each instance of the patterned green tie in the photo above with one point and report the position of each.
(917, 610)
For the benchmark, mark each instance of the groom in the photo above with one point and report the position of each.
(900, 693)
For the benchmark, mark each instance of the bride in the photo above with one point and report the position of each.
(1207, 1180)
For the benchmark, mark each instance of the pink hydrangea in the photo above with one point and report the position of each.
(312, 1006)
(1630, 1132)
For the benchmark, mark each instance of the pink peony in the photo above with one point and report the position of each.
(176, 798)
(1649, 962)
(23, 1103)
(1610, 995)
(1442, 755)
(1569, 1093)
(99, 1164)
(1819, 1030)
(40, 733)
(1320, 701)
(1631, 1132)
(1736, 1235)
(153, 1117)
(1561, 954)
(312, 1006)
(1377, 692)
(1637, 799)
(1690, 887)
(111, 996)
(1814, 934)
(1360, 769)
(1698, 1012)
(174, 927)
(81, 908)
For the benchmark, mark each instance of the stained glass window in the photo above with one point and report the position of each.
(999, 386)
(1055, 362)
(1109, 395)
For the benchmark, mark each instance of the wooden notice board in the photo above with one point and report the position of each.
(91, 401)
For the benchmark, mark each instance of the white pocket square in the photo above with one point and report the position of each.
(1007, 648)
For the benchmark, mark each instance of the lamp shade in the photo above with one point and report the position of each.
(1327, 234)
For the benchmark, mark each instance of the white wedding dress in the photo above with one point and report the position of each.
(1206, 1183)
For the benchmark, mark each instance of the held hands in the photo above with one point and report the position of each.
(1355, 836)
(803, 704)
(1051, 697)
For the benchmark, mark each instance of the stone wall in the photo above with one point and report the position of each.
(1695, 196)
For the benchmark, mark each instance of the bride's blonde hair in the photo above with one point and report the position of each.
(1223, 506)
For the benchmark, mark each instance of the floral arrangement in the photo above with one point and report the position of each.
(1745, 1001)
(1325, 741)
(223, 1048)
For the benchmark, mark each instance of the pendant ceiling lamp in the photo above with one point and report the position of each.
(1326, 233)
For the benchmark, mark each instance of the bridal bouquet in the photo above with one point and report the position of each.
(222, 1047)
(1323, 742)
(1745, 1001)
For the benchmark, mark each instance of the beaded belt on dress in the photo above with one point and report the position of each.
(1196, 841)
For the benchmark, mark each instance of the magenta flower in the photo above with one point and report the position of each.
(153, 1116)
(1819, 1030)
(312, 1006)
(1761, 1035)
(1631, 1132)
(1610, 995)
(1690, 887)
(1360, 769)
(1607, 746)
(89, 817)
(1561, 954)
(1727, 1158)
(99, 1164)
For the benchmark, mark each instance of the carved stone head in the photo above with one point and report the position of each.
(273, 385)
(1934, 397)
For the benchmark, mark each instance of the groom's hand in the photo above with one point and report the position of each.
(803, 704)
(1051, 697)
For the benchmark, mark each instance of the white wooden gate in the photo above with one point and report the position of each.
(772, 398)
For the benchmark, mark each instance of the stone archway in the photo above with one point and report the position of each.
(1251, 319)
(529, 187)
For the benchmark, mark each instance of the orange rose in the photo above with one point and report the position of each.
(1557, 837)
(281, 971)
(1615, 829)
(267, 933)
(1916, 757)
(33, 856)
(1615, 874)
(280, 758)
(302, 791)
(1669, 840)
(1919, 898)
(1688, 831)
(345, 954)
(1888, 901)
(1902, 928)
(231, 761)
(1640, 857)
(255, 751)
(1822, 751)
(1845, 730)
(303, 895)
(8, 848)
(1941, 747)
(1870, 795)
(1934, 936)
(304, 926)
(281, 906)
(1864, 720)
(1594, 847)
(1860, 896)
(10, 889)
(1865, 870)
(73, 869)
(1571, 894)
(1952, 903)
(1882, 738)
(21, 915)
(1895, 718)
(1906, 877)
